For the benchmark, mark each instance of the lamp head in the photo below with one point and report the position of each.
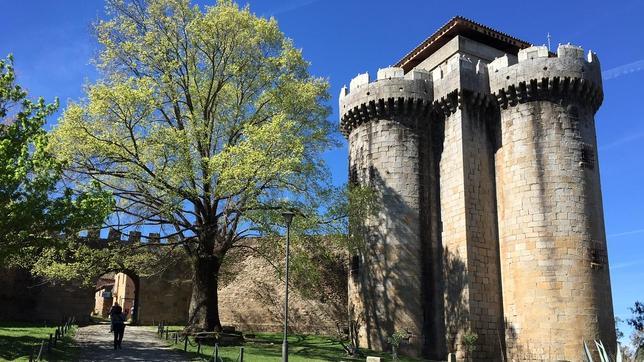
(288, 217)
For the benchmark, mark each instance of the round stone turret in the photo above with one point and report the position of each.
(554, 267)
(393, 95)
(381, 121)
(538, 76)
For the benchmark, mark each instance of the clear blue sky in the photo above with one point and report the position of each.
(53, 45)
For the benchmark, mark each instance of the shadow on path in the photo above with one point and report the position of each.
(139, 344)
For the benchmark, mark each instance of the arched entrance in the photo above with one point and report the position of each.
(117, 286)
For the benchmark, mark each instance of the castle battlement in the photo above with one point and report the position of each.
(535, 75)
(133, 237)
(460, 75)
(392, 94)
(390, 73)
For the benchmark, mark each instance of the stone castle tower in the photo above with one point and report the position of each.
(482, 149)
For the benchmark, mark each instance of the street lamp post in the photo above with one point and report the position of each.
(288, 217)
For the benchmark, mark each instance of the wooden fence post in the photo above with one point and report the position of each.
(42, 345)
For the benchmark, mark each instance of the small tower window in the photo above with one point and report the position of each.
(573, 112)
(353, 175)
(372, 176)
(355, 267)
(573, 115)
(587, 156)
(598, 256)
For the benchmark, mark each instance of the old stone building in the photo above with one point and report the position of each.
(114, 288)
(103, 295)
(124, 292)
(162, 296)
(250, 294)
(482, 148)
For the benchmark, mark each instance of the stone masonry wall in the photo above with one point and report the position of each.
(435, 347)
(165, 297)
(454, 236)
(483, 274)
(27, 298)
(551, 232)
(556, 286)
(469, 237)
(384, 154)
(251, 298)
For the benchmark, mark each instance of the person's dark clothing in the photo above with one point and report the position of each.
(118, 324)
(119, 330)
(116, 309)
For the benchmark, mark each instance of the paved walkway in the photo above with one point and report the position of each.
(139, 344)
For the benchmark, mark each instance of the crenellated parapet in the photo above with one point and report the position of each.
(94, 239)
(392, 95)
(536, 75)
(460, 81)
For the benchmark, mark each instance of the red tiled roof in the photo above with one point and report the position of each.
(459, 25)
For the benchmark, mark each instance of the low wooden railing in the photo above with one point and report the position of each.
(45, 347)
(178, 337)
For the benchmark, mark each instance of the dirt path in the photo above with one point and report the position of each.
(139, 344)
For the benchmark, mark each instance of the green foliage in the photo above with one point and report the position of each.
(469, 340)
(394, 340)
(17, 341)
(203, 121)
(362, 205)
(267, 347)
(322, 242)
(397, 337)
(81, 261)
(36, 207)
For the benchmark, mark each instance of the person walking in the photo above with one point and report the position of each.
(117, 319)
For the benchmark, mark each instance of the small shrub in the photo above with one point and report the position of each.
(394, 340)
(469, 340)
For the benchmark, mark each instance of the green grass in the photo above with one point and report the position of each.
(268, 347)
(18, 339)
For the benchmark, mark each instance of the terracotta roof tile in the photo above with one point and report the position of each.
(459, 25)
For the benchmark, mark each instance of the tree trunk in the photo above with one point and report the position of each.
(203, 314)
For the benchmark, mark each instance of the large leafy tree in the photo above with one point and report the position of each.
(203, 121)
(35, 208)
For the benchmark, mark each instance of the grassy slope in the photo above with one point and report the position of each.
(268, 347)
(18, 339)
